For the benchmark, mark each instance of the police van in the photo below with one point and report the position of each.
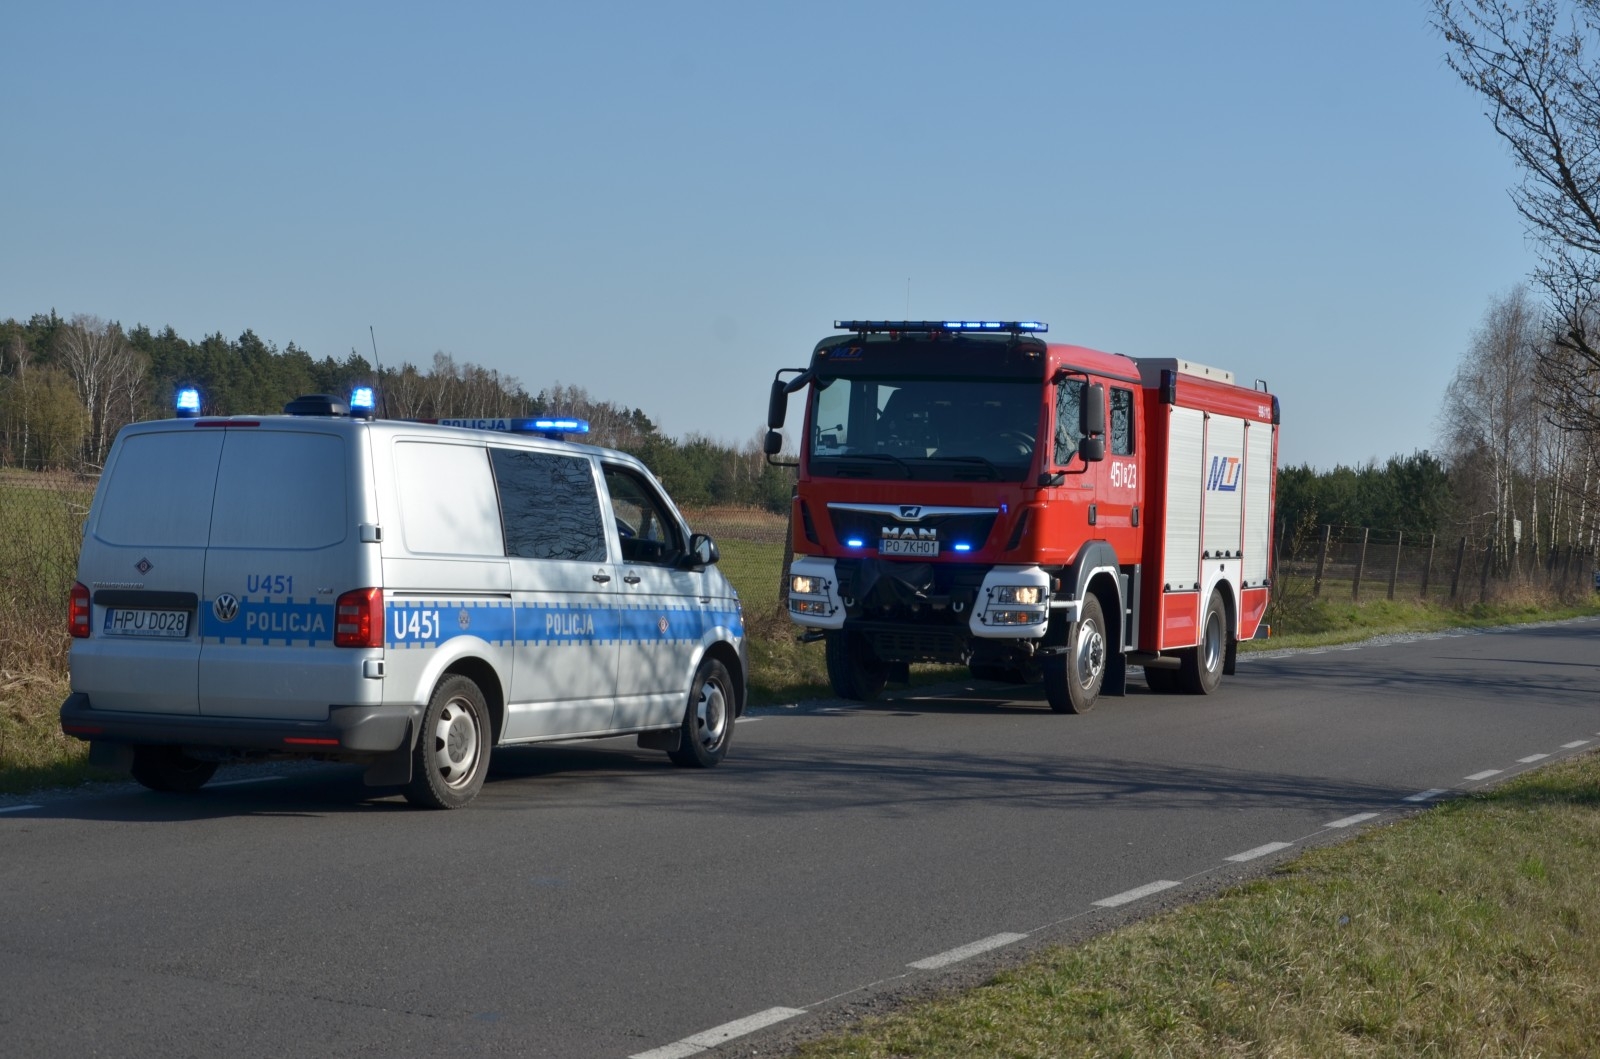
(400, 594)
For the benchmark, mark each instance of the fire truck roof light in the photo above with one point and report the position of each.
(188, 403)
(1015, 327)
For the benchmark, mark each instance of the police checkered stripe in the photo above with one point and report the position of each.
(448, 611)
(580, 624)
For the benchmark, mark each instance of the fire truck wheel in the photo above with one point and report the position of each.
(1202, 665)
(853, 669)
(1161, 681)
(1072, 680)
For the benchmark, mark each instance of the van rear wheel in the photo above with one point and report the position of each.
(169, 770)
(451, 757)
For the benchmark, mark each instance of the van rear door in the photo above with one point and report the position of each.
(143, 561)
(283, 548)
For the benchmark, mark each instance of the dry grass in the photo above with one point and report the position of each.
(1473, 930)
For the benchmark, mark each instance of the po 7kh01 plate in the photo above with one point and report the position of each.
(895, 546)
(137, 621)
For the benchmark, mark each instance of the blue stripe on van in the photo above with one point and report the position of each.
(265, 621)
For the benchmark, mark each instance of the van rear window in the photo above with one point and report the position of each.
(280, 489)
(159, 490)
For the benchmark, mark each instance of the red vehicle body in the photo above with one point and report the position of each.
(969, 493)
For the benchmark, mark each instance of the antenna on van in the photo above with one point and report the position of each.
(383, 391)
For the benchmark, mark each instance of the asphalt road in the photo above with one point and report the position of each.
(596, 901)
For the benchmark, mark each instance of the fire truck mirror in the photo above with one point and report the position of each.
(772, 444)
(777, 408)
(1092, 449)
(1092, 421)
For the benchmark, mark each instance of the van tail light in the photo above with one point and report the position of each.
(358, 619)
(79, 610)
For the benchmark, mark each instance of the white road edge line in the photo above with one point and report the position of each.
(1259, 851)
(1575, 744)
(1485, 774)
(1531, 758)
(240, 783)
(1425, 796)
(720, 1034)
(1128, 896)
(19, 808)
(945, 959)
(1351, 821)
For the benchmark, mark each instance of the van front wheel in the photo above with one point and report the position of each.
(451, 757)
(708, 720)
(169, 770)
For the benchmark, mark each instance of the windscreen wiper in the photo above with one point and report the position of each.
(878, 456)
(982, 461)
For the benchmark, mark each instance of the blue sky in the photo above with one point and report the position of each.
(665, 203)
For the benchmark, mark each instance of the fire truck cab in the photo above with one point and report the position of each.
(971, 494)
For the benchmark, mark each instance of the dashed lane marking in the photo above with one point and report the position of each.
(18, 808)
(1351, 821)
(1425, 796)
(1575, 744)
(1485, 774)
(1259, 851)
(241, 783)
(945, 959)
(720, 1034)
(1531, 758)
(1129, 896)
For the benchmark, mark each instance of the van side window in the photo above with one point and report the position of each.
(1069, 398)
(1121, 422)
(649, 534)
(446, 499)
(550, 506)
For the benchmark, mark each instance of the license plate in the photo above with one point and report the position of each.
(133, 621)
(895, 546)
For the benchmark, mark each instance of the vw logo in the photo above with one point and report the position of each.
(910, 512)
(225, 607)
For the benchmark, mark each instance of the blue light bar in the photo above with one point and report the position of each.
(1015, 327)
(562, 426)
(188, 403)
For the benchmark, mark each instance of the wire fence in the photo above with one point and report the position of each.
(1363, 563)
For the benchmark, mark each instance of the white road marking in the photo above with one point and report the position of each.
(1531, 758)
(18, 808)
(1128, 896)
(1351, 821)
(1485, 774)
(240, 783)
(1259, 851)
(945, 959)
(1575, 744)
(1425, 796)
(742, 720)
(720, 1034)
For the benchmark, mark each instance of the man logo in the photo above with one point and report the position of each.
(225, 607)
(910, 513)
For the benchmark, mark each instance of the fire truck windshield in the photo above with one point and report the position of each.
(930, 429)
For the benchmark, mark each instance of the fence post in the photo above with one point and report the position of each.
(1455, 579)
(1488, 564)
(1394, 571)
(1322, 562)
(1361, 563)
(1427, 571)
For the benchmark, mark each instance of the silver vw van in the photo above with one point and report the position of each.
(403, 595)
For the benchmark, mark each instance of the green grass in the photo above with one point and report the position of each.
(1471, 930)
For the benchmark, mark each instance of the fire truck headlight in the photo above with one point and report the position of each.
(801, 585)
(1022, 595)
(1016, 617)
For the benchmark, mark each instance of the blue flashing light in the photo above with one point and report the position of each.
(962, 547)
(188, 403)
(1015, 327)
(362, 400)
(856, 542)
(563, 426)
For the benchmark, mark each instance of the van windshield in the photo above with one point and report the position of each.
(930, 429)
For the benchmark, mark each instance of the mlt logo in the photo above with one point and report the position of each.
(1224, 476)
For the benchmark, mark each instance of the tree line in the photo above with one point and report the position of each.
(68, 385)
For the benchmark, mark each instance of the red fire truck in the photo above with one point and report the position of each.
(971, 494)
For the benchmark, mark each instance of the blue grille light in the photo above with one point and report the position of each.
(962, 547)
(856, 542)
(188, 403)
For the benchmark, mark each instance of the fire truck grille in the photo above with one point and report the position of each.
(949, 530)
(901, 643)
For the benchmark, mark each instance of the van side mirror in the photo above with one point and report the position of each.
(702, 551)
(777, 407)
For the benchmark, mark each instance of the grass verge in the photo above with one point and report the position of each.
(1473, 929)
